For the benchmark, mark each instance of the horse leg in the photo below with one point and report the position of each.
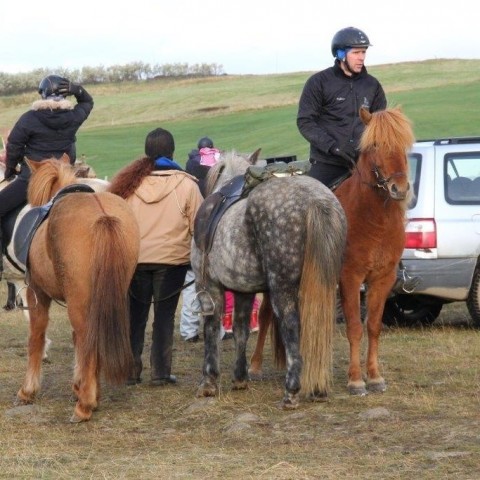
(350, 297)
(36, 346)
(11, 294)
(241, 332)
(289, 326)
(85, 374)
(377, 294)
(265, 316)
(211, 331)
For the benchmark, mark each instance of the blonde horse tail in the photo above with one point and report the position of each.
(325, 242)
(108, 325)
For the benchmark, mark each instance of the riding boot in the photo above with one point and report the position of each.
(1, 255)
(254, 321)
(227, 322)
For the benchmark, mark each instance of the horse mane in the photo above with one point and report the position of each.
(230, 164)
(387, 130)
(128, 179)
(47, 180)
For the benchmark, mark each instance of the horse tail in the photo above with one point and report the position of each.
(108, 326)
(325, 242)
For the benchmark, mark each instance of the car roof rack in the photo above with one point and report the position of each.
(452, 140)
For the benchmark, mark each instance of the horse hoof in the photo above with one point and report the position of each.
(239, 385)
(76, 419)
(377, 386)
(357, 388)
(206, 391)
(317, 396)
(255, 376)
(290, 401)
(19, 402)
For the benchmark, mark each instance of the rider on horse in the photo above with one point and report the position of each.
(47, 130)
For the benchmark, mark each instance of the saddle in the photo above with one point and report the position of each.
(212, 209)
(216, 204)
(29, 224)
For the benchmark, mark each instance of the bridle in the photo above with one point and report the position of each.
(381, 181)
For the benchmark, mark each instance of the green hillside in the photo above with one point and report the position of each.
(245, 112)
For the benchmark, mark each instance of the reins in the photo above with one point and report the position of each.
(171, 295)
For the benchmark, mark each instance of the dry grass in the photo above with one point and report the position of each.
(425, 426)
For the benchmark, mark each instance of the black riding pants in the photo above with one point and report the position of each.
(13, 195)
(160, 285)
(327, 173)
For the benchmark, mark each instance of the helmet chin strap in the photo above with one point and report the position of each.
(347, 66)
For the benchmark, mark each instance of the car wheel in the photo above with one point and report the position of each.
(473, 300)
(411, 310)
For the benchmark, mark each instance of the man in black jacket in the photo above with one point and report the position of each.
(328, 113)
(47, 130)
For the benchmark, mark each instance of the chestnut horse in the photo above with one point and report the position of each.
(84, 254)
(286, 239)
(14, 270)
(375, 199)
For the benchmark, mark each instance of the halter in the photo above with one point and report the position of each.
(381, 181)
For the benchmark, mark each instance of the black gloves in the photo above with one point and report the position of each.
(348, 154)
(10, 172)
(66, 88)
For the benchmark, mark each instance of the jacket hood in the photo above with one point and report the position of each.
(52, 113)
(160, 183)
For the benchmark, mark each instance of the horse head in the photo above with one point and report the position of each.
(229, 165)
(384, 146)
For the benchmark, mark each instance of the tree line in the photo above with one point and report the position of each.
(17, 83)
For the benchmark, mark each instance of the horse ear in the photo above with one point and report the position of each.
(365, 115)
(254, 156)
(33, 166)
(65, 158)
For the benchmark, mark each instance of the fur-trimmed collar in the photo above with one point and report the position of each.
(49, 104)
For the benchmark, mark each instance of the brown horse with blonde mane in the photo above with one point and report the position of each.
(84, 254)
(375, 199)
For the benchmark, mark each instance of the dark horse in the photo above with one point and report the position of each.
(84, 254)
(375, 199)
(286, 239)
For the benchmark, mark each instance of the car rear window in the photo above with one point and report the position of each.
(415, 163)
(462, 178)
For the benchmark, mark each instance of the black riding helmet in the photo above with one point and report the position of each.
(205, 142)
(49, 85)
(349, 37)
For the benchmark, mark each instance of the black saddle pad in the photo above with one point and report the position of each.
(212, 210)
(33, 218)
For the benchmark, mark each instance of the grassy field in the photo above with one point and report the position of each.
(426, 425)
(250, 111)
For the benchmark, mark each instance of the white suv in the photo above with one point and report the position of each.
(443, 231)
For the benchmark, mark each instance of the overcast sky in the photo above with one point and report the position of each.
(245, 36)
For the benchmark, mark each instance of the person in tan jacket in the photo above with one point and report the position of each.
(165, 200)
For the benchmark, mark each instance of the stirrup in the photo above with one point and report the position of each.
(405, 283)
(203, 312)
(19, 302)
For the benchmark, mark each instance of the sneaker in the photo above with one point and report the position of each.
(193, 339)
(160, 382)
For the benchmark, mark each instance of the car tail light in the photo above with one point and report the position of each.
(421, 233)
